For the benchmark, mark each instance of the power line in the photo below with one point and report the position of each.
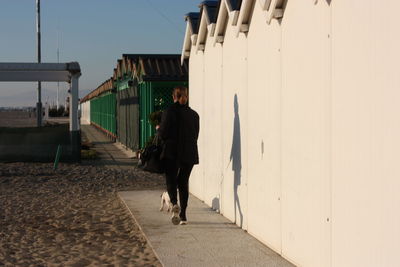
(164, 16)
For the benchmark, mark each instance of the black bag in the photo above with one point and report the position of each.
(151, 157)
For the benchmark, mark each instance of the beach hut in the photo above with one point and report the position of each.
(299, 141)
(102, 105)
(141, 84)
(127, 104)
(144, 84)
(85, 110)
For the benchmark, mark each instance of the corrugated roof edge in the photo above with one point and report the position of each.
(211, 6)
(158, 70)
(99, 90)
(177, 73)
(209, 3)
(236, 4)
(150, 55)
(165, 79)
(193, 18)
(192, 15)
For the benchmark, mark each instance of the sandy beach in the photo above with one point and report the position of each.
(70, 217)
(17, 118)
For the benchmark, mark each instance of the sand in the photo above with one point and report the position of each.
(17, 118)
(70, 217)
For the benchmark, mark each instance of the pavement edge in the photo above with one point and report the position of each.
(140, 228)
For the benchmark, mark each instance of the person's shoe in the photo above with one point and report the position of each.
(175, 214)
(183, 219)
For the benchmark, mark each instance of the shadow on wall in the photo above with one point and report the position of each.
(236, 158)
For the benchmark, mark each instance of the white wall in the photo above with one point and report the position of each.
(365, 133)
(196, 101)
(85, 112)
(305, 154)
(212, 129)
(264, 89)
(234, 125)
(317, 96)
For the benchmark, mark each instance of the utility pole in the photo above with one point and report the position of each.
(58, 61)
(39, 89)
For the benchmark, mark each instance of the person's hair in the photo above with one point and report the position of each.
(180, 91)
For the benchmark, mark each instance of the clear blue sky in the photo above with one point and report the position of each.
(93, 32)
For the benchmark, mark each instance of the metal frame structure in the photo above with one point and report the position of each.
(50, 72)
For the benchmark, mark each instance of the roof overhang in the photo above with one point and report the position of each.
(190, 38)
(43, 72)
(203, 28)
(244, 16)
(48, 72)
(227, 15)
(206, 23)
(186, 44)
(119, 67)
(106, 86)
(273, 9)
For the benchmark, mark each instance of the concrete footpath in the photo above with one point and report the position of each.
(109, 153)
(208, 239)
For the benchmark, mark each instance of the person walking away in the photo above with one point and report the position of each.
(187, 149)
(179, 130)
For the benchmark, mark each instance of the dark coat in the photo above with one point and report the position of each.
(168, 131)
(188, 134)
(179, 131)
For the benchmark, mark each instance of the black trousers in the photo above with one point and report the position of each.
(177, 177)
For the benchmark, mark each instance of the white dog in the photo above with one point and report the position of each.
(165, 202)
